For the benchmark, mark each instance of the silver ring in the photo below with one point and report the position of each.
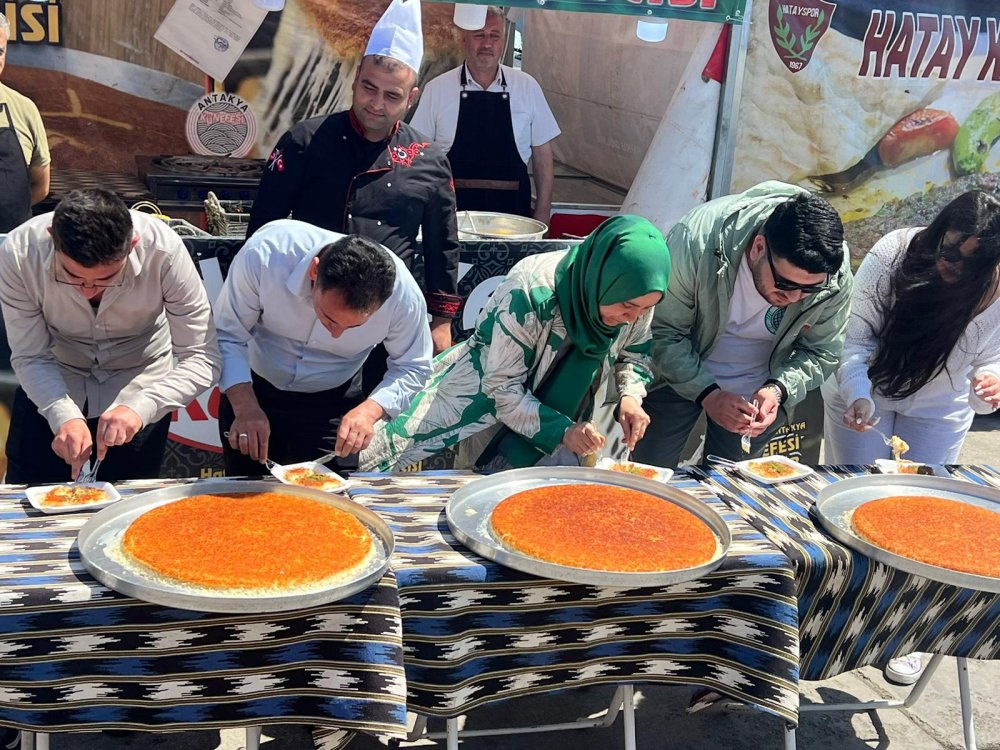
(242, 435)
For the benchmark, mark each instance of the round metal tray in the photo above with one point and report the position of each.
(110, 523)
(469, 509)
(836, 503)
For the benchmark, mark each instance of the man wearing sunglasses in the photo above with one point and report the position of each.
(755, 312)
(110, 331)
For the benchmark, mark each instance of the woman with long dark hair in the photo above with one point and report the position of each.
(922, 352)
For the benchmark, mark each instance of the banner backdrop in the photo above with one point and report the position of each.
(719, 11)
(890, 108)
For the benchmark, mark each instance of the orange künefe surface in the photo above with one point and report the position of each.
(261, 540)
(72, 494)
(598, 527)
(946, 533)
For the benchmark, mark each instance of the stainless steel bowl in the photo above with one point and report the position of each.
(479, 225)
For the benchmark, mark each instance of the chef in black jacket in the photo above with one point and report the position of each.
(364, 171)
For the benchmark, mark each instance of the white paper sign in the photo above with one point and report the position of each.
(212, 34)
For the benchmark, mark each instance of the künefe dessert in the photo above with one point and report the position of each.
(600, 527)
(934, 530)
(264, 541)
(74, 494)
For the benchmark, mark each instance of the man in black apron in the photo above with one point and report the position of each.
(15, 193)
(488, 171)
(496, 107)
(20, 185)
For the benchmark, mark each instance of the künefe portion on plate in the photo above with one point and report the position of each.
(770, 469)
(934, 530)
(74, 494)
(602, 527)
(266, 541)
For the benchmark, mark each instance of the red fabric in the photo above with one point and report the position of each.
(562, 226)
(715, 70)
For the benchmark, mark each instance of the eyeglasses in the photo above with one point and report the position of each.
(92, 284)
(785, 285)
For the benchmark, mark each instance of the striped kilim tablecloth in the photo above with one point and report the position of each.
(853, 611)
(474, 631)
(76, 655)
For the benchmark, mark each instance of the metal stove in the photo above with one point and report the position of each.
(181, 183)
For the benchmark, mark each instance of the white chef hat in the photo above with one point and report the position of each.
(398, 34)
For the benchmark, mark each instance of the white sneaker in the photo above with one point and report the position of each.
(904, 670)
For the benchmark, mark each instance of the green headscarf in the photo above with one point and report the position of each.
(624, 258)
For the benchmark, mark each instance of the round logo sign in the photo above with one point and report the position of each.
(221, 124)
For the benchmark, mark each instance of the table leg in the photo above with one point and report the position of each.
(628, 704)
(253, 738)
(789, 736)
(911, 698)
(621, 701)
(965, 696)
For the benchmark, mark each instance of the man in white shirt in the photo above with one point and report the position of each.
(491, 119)
(300, 311)
(110, 331)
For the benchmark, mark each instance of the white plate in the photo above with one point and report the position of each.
(336, 482)
(662, 475)
(888, 466)
(801, 470)
(36, 496)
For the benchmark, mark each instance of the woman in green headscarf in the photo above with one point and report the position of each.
(521, 389)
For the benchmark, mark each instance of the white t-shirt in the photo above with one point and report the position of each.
(740, 359)
(533, 122)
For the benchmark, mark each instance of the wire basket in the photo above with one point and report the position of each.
(227, 218)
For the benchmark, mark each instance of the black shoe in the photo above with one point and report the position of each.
(10, 739)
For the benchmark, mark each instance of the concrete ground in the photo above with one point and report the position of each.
(662, 723)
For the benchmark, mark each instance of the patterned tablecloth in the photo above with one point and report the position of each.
(476, 632)
(853, 611)
(76, 655)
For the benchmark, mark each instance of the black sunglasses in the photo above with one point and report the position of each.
(785, 285)
(951, 253)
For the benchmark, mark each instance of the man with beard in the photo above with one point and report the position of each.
(755, 313)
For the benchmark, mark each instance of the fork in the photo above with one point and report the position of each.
(745, 437)
(89, 476)
(885, 438)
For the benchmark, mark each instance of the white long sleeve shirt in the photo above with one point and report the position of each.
(149, 345)
(948, 395)
(267, 322)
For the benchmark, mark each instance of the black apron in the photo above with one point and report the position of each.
(488, 170)
(15, 187)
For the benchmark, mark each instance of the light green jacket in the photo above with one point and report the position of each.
(706, 248)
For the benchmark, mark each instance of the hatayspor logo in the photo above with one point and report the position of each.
(796, 28)
(773, 318)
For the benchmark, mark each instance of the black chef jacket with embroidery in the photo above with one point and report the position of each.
(325, 172)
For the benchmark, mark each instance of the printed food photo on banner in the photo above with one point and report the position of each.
(888, 108)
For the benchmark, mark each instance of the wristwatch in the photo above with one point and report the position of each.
(776, 389)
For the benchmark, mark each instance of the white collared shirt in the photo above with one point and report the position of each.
(149, 345)
(267, 322)
(533, 122)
